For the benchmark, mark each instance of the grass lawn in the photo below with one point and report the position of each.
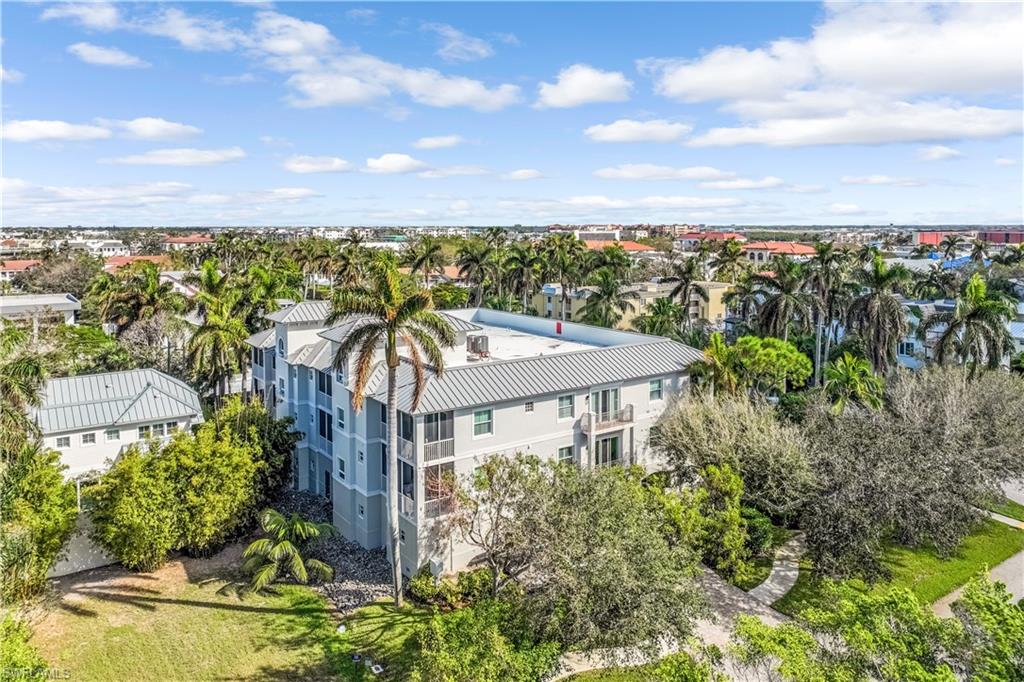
(185, 622)
(1015, 510)
(926, 574)
(640, 673)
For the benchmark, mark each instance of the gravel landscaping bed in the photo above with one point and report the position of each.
(361, 575)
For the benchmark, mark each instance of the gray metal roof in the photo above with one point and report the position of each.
(263, 339)
(30, 303)
(114, 398)
(316, 355)
(494, 382)
(340, 332)
(305, 311)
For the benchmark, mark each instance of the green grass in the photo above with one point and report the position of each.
(929, 576)
(1015, 510)
(164, 626)
(642, 673)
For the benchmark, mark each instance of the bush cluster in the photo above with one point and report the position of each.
(469, 587)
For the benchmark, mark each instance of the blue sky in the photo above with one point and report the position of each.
(504, 113)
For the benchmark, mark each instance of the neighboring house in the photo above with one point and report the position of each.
(105, 248)
(762, 252)
(40, 311)
(631, 247)
(91, 419)
(714, 310)
(115, 263)
(189, 242)
(448, 274)
(263, 363)
(689, 241)
(178, 280)
(512, 383)
(9, 269)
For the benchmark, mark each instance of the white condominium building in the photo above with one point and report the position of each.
(512, 383)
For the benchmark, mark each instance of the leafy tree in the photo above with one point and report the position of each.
(84, 349)
(1017, 363)
(851, 379)
(723, 531)
(877, 315)
(994, 631)
(391, 315)
(135, 510)
(607, 301)
(69, 273)
(975, 330)
(449, 296)
(770, 456)
(19, 660)
(768, 363)
(270, 558)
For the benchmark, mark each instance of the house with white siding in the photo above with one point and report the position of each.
(512, 383)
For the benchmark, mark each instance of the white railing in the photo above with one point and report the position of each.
(440, 449)
(599, 421)
(439, 507)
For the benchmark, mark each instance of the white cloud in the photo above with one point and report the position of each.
(1003, 161)
(394, 163)
(880, 180)
(626, 130)
(523, 174)
(279, 195)
(650, 171)
(51, 131)
(438, 142)
(845, 209)
(362, 15)
(316, 164)
(582, 84)
(599, 203)
(10, 75)
(744, 183)
(805, 189)
(180, 157)
(192, 32)
(457, 46)
(452, 171)
(152, 128)
(240, 79)
(96, 15)
(938, 152)
(106, 56)
(21, 193)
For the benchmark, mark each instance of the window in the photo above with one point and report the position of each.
(362, 512)
(341, 469)
(383, 459)
(324, 384)
(483, 422)
(112, 435)
(64, 441)
(280, 347)
(906, 348)
(145, 432)
(438, 426)
(438, 478)
(528, 406)
(280, 385)
(565, 454)
(383, 413)
(566, 407)
(257, 357)
(341, 418)
(339, 376)
(158, 430)
(273, 360)
(655, 389)
(88, 439)
(324, 426)
(171, 427)
(406, 426)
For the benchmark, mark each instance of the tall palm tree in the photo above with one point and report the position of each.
(663, 318)
(565, 255)
(743, 298)
(474, 261)
(785, 299)
(1010, 255)
(950, 244)
(217, 349)
(867, 253)
(615, 259)
(718, 370)
(827, 269)
(687, 274)
(281, 553)
(390, 316)
(140, 295)
(426, 256)
(607, 301)
(979, 252)
(210, 284)
(975, 330)
(851, 379)
(22, 375)
(349, 263)
(936, 282)
(525, 265)
(922, 251)
(730, 261)
(877, 315)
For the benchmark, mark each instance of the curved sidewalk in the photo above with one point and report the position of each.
(785, 571)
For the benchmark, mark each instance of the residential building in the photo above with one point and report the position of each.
(9, 269)
(760, 253)
(115, 263)
(512, 383)
(631, 247)
(689, 240)
(104, 248)
(40, 311)
(188, 242)
(91, 419)
(714, 310)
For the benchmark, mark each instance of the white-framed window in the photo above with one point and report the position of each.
(88, 439)
(566, 406)
(280, 385)
(171, 427)
(145, 431)
(280, 347)
(483, 422)
(339, 376)
(63, 441)
(158, 430)
(528, 406)
(656, 389)
(362, 512)
(341, 469)
(112, 435)
(341, 418)
(566, 454)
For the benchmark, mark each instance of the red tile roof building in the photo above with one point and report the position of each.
(632, 247)
(762, 252)
(10, 268)
(115, 263)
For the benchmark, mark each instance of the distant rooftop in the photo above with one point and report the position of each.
(28, 303)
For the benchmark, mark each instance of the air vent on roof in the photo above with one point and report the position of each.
(476, 344)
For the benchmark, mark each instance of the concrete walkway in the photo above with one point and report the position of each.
(785, 571)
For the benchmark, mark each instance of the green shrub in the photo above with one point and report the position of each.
(426, 589)
(474, 586)
(486, 642)
(680, 667)
(19, 660)
(135, 510)
(760, 532)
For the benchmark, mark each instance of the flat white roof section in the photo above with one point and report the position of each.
(506, 343)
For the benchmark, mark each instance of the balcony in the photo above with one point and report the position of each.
(407, 507)
(439, 449)
(439, 507)
(406, 450)
(596, 422)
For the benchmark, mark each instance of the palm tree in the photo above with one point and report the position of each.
(217, 349)
(140, 295)
(565, 255)
(950, 244)
(663, 318)
(525, 265)
(267, 559)
(348, 265)
(730, 261)
(607, 300)
(979, 252)
(210, 283)
(1010, 255)
(867, 253)
(474, 261)
(743, 298)
(876, 315)
(718, 370)
(975, 330)
(426, 256)
(827, 271)
(922, 251)
(687, 274)
(22, 375)
(851, 378)
(391, 316)
(785, 300)
(615, 259)
(937, 282)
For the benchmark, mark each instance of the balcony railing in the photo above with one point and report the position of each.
(439, 507)
(602, 421)
(440, 449)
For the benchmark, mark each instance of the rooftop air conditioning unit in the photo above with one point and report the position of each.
(477, 344)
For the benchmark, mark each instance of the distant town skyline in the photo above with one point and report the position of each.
(216, 114)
